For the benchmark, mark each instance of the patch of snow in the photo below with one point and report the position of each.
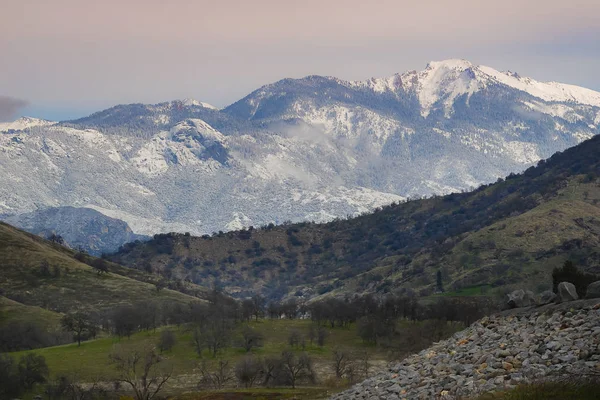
(24, 123)
(146, 226)
(522, 152)
(144, 191)
(445, 79)
(583, 136)
(192, 102)
(150, 158)
(556, 110)
(319, 217)
(445, 134)
(162, 119)
(548, 91)
(239, 221)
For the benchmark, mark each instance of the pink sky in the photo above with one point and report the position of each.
(67, 56)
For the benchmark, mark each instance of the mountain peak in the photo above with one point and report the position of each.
(194, 102)
(24, 123)
(448, 79)
(452, 63)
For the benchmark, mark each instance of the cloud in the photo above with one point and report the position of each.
(10, 106)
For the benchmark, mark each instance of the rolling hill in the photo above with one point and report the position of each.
(510, 233)
(37, 273)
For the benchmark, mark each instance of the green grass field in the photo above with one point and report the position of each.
(89, 362)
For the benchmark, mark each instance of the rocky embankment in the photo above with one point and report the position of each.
(496, 353)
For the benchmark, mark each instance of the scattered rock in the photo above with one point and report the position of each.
(521, 298)
(593, 291)
(547, 297)
(567, 292)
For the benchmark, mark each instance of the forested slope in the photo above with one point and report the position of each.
(511, 232)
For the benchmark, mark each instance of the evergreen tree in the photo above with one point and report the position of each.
(440, 283)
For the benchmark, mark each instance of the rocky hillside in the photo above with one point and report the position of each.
(80, 228)
(496, 353)
(510, 233)
(309, 149)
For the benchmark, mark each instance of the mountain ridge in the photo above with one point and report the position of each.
(510, 233)
(315, 148)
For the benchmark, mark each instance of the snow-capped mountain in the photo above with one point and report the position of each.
(299, 149)
(24, 123)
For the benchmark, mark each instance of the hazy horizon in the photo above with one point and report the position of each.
(76, 57)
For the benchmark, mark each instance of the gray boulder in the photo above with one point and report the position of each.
(547, 297)
(567, 292)
(593, 291)
(521, 298)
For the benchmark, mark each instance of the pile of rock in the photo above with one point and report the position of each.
(496, 353)
(566, 292)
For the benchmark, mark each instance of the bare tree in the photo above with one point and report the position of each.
(248, 370)
(142, 369)
(259, 304)
(296, 368)
(312, 333)
(215, 376)
(271, 369)
(214, 335)
(342, 363)
(345, 365)
(247, 309)
(198, 341)
(69, 388)
(167, 340)
(295, 338)
(251, 338)
(364, 365)
(322, 334)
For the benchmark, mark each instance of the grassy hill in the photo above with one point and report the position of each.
(11, 310)
(38, 273)
(89, 362)
(509, 233)
(91, 359)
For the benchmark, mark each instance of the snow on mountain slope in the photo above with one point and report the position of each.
(190, 178)
(450, 79)
(192, 102)
(299, 149)
(24, 123)
(549, 91)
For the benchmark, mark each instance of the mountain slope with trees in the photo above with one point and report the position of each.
(37, 272)
(509, 233)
